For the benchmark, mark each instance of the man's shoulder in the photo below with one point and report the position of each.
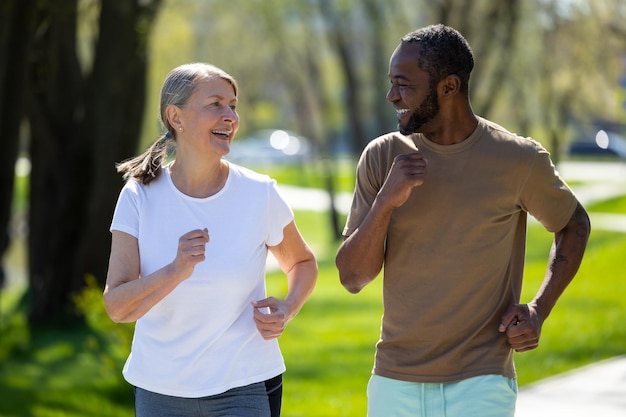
(391, 141)
(507, 139)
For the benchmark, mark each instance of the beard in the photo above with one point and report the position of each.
(422, 115)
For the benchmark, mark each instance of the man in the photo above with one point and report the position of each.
(443, 206)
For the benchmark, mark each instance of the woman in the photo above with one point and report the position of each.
(188, 252)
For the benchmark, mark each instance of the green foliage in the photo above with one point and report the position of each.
(14, 332)
(65, 372)
(112, 339)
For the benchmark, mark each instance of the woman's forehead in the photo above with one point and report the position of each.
(214, 86)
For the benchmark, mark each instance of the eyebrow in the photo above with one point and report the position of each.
(217, 96)
(399, 77)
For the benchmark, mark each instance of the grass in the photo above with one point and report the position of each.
(314, 174)
(328, 348)
(614, 205)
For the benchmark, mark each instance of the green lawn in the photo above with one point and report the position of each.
(328, 348)
(614, 205)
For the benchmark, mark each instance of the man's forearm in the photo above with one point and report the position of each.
(360, 257)
(565, 258)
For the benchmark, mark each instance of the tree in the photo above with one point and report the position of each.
(83, 117)
(16, 31)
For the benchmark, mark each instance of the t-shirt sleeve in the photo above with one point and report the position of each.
(279, 215)
(126, 214)
(546, 196)
(368, 183)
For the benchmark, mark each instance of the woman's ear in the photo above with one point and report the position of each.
(173, 116)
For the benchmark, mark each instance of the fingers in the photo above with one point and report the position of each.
(407, 172)
(510, 318)
(522, 331)
(269, 324)
(191, 249)
(412, 166)
(522, 336)
(193, 243)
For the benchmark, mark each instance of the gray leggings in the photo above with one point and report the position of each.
(248, 401)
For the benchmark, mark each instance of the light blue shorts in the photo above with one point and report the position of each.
(481, 396)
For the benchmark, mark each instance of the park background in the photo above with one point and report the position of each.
(79, 85)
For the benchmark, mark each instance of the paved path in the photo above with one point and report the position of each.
(597, 390)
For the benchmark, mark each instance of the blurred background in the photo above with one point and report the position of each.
(79, 91)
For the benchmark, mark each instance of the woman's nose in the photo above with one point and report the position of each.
(230, 114)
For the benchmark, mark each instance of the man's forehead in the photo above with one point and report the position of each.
(403, 62)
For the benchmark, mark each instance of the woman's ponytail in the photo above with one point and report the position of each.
(147, 166)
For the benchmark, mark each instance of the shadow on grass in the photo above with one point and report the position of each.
(67, 372)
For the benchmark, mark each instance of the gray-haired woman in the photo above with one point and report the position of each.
(188, 252)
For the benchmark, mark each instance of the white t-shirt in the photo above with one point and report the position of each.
(201, 338)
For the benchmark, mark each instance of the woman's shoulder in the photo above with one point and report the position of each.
(246, 174)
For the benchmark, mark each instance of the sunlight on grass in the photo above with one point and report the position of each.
(614, 205)
(329, 349)
(314, 174)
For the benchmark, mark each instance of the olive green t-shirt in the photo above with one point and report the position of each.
(454, 255)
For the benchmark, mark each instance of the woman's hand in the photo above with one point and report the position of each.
(271, 324)
(191, 248)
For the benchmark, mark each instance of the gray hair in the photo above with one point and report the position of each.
(178, 86)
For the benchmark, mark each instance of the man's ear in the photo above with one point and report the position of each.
(450, 85)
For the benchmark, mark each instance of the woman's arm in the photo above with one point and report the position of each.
(298, 262)
(126, 297)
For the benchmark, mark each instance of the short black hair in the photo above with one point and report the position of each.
(443, 51)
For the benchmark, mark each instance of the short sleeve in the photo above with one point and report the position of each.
(279, 213)
(546, 196)
(368, 183)
(126, 214)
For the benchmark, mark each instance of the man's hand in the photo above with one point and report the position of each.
(407, 172)
(522, 326)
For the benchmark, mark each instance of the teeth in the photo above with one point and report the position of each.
(402, 111)
(221, 132)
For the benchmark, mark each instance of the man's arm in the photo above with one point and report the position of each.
(522, 323)
(360, 257)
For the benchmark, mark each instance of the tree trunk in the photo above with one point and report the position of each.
(338, 35)
(81, 124)
(16, 32)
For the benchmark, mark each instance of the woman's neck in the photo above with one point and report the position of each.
(199, 180)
